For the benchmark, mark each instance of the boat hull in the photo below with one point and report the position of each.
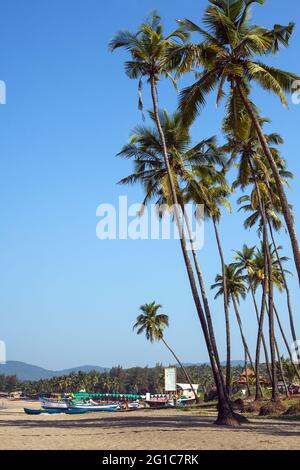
(93, 408)
(53, 404)
(53, 411)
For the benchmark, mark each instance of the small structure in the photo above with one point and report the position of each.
(185, 390)
(15, 395)
(247, 375)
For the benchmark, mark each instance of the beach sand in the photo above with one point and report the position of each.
(144, 429)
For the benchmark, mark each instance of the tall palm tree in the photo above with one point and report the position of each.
(236, 289)
(229, 54)
(194, 170)
(244, 262)
(164, 158)
(212, 191)
(254, 169)
(153, 324)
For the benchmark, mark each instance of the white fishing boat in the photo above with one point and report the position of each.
(93, 406)
(50, 403)
(134, 405)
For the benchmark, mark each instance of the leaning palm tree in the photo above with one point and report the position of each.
(244, 262)
(187, 163)
(236, 289)
(194, 170)
(254, 169)
(229, 54)
(153, 324)
(212, 191)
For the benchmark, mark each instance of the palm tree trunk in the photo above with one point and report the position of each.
(288, 295)
(281, 193)
(226, 416)
(236, 309)
(201, 284)
(269, 275)
(281, 370)
(183, 369)
(263, 336)
(225, 298)
(286, 342)
(259, 335)
(247, 378)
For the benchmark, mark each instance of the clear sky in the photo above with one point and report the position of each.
(67, 298)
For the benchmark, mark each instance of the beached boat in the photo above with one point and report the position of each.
(134, 405)
(49, 403)
(93, 406)
(159, 402)
(53, 411)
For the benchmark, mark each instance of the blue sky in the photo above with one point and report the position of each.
(66, 297)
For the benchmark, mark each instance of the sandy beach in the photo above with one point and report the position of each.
(144, 429)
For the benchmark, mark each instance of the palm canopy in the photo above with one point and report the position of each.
(229, 52)
(150, 322)
(258, 275)
(193, 168)
(254, 169)
(246, 152)
(235, 283)
(148, 49)
(244, 259)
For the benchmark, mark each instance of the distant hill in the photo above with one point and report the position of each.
(25, 371)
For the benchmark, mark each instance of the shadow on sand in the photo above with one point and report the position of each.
(139, 423)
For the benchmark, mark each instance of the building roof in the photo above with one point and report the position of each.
(187, 386)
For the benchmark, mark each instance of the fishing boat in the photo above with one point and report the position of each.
(159, 402)
(184, 401)
(53, 411)
(134, 405)
(50, 403)
(93, 406)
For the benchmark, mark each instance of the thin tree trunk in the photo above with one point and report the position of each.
(247, 378)
(269, 274)
(236, 309)
(281, 370)
(259, 335)
(183, 369)
(263, 336)
(201, 284)
(278, 353)
(281, 193)
(226, 311)
(288, 295)
(226, 416)
(286, 342)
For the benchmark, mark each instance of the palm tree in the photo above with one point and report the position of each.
(228, 55)
(136, 44)
(236, 289)
(194, 169)
(212, 191)
(244, 261)
(153, 324)
(254, 169)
